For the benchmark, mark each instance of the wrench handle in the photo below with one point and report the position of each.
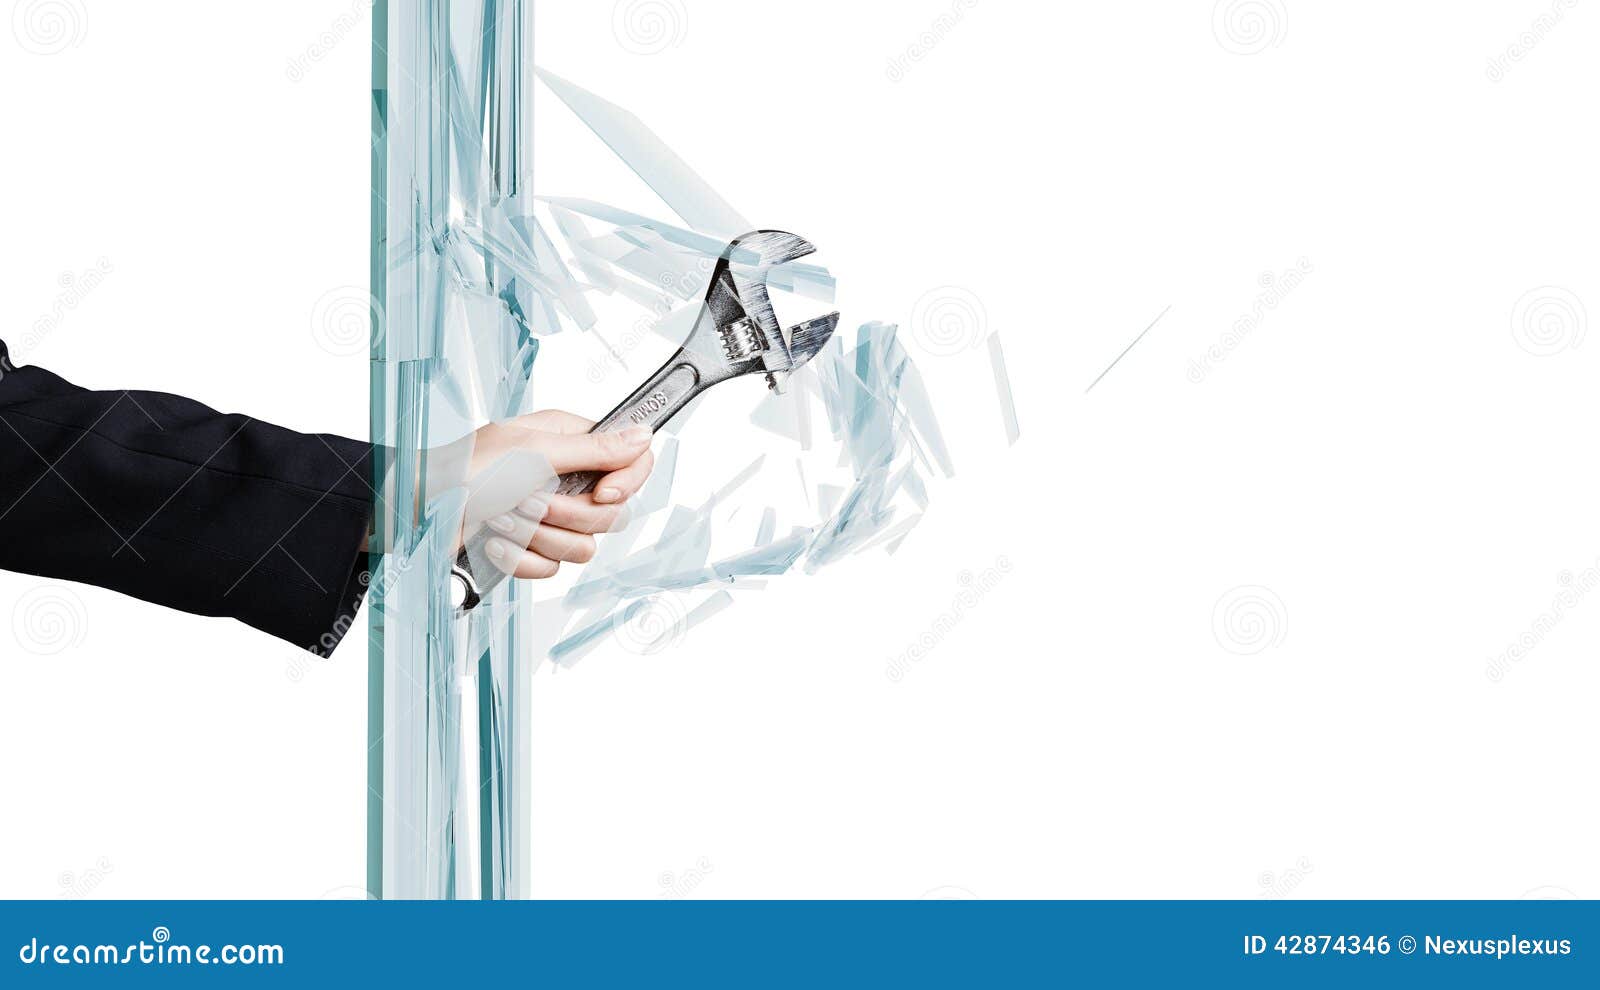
(660, 398)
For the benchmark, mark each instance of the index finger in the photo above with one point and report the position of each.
(558, 421)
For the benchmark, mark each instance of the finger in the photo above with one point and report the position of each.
(498, 486)
(517, 562)
(563, 544)
(514, 527)
(624, 482)
(556, 421)
(595, 451)
(580, 514)
(535, 506)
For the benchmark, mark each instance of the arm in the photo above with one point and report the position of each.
(162, 498)
(167, 500)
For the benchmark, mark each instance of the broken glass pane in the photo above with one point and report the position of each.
(474, 272)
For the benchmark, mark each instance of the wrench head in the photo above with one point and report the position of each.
(741, 331)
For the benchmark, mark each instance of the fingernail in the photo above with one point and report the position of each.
(496, 550)
(501, 524)
(636, 434)
(533, 508)
(608, 494)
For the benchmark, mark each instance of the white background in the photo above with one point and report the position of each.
(1396, 462)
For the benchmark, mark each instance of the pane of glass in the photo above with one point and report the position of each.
(456, 272)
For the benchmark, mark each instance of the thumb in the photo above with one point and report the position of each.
(596, 451)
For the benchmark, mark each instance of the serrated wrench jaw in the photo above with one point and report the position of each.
(765, 248)
(805, 339)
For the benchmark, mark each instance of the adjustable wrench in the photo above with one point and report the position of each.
(735, 334)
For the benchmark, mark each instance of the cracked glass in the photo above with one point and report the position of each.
(471, 271)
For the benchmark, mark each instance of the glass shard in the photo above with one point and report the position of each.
(1002, 388)
(688, 195)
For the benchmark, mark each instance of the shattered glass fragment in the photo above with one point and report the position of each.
(688, 195)
(705, 246)
(1002, 388)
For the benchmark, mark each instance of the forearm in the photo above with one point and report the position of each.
(167, 500)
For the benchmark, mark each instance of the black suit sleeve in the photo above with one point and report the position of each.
(164, 499)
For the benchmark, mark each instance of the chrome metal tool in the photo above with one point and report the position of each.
(735, 334)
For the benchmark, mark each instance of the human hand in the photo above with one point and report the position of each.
(542, 530)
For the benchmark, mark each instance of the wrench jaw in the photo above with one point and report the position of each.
(765, 248)
(747, 350)
(806, 339)
(747, 334)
